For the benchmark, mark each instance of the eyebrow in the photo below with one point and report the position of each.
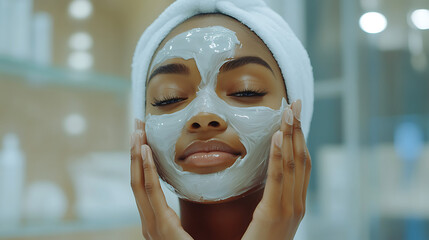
(230, 65)
(178, 68)
(173, 68)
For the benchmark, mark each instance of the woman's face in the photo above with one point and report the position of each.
(249, 78)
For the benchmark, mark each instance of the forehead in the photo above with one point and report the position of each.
(252, 45)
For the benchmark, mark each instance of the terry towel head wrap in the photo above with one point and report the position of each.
(288, 51)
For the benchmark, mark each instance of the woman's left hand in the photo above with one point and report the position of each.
(282, 207)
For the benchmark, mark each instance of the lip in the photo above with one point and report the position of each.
(206, 147)
(208, 157)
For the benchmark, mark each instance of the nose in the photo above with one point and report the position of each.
(205, 122)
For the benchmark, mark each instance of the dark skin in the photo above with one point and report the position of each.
(203, 221)
(272, 212)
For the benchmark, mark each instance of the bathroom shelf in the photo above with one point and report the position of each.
(48, 75)
(68, 227)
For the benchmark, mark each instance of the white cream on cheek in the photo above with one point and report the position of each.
(211, 47)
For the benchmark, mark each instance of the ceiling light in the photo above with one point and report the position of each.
(80, 60)
(420, 18)
(74, 124)
(80, 9)
(80, 41)
(373, 22)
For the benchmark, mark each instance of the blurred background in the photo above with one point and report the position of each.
(65, 117)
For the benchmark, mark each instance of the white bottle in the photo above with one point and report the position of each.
(12, 174)
(41, 48)
(15, 28)
(5, 26)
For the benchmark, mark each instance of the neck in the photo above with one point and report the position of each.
(224, 220)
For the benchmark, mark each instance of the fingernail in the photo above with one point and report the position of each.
(138, 124)
(278, 139)
(296, 108)
(139, 133)
(143, 152)
(133, 138)
(288, 115)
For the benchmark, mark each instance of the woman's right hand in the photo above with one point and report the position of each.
(158, 220)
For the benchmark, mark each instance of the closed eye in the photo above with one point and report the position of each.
(248, 93)
(167, 101)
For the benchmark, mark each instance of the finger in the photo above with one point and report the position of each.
(143, 221)
(137, 180)
(273, 187)
(136, 172)
(288, 158)
(300, 156)
(306, 179)
(152, 186)
(138, 124)
(137, 183)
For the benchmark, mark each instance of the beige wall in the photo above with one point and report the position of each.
(114, 25)
(35, 112)
(129, 233)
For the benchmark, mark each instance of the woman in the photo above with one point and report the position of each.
(214, 98)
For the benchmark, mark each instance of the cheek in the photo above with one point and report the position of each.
(274, 100)
(229, 84)
(181, 144)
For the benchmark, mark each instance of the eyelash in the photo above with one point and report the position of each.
(249, 93)
(164, 101)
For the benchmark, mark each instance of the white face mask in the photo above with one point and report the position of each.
(211, 47)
